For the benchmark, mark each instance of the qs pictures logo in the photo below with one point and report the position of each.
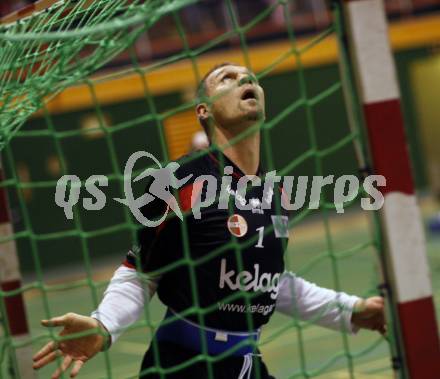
(163, 181)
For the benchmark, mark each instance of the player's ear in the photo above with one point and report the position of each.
(203, 113)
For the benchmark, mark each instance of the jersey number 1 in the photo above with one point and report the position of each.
(260, 237)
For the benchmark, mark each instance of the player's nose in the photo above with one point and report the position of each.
(246, 79)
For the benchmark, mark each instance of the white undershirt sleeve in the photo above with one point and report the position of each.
(307, 301)
(124, 300)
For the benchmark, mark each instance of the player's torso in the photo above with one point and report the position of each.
(232, 257)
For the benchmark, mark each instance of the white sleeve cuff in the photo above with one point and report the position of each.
(112, 327)
(347, 303)
(124, 300)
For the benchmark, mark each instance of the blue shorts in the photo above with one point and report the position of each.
(180, 343)
(191, 336)
(171, 355)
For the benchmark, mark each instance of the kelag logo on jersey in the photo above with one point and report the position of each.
(164, 180)
(250, 281)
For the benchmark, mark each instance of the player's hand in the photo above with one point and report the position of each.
(75, 351)
(369, 314)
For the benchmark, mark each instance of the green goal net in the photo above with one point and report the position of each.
(78, 97)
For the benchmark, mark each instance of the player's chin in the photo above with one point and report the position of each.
(254, 116)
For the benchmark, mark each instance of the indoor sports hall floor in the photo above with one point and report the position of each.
(358, 274)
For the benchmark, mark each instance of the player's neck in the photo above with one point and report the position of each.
(245, 153)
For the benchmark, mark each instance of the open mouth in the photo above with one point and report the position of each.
(249, 94)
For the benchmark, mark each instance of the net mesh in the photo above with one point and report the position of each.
(61, 115)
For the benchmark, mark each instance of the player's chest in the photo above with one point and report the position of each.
(253, 221)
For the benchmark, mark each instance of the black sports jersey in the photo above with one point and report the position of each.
(211, 259)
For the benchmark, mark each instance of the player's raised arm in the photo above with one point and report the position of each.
(336, 310)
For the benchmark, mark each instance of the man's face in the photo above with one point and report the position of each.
(237, 98)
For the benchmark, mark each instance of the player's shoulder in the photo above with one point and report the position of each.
(196, 163)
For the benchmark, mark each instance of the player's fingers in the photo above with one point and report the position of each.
(377, 299)
(76, 367)
(382, 328)
(55, 321)
(64, 366)
(47, 359)
(379, 327)
(48, 348)
(381, 319)
(379, 304)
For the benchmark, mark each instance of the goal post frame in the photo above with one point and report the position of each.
(404, 247)
(13, 307)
